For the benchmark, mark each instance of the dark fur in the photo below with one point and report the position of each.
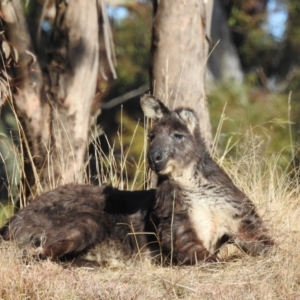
(209, 210)
(194, 211)
(71, 220)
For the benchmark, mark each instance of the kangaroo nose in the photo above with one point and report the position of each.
(157, 160)
(157, 156)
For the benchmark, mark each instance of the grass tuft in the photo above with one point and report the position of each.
(236, 276)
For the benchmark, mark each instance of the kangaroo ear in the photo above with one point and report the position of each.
(189, 117)
(153, 108)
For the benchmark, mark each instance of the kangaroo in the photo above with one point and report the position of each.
(194, 210)
(206, 209)
(86, 225)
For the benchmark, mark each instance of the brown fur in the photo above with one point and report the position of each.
(209, 210)
(71, 220)
(195, 209)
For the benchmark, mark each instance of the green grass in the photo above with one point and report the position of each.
(6, 210)
(249, 111)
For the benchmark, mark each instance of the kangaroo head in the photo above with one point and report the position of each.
(173, 138)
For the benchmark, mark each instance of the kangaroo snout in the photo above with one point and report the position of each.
(157, 159)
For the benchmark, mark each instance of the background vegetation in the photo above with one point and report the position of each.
(269, 57)
(265, 103)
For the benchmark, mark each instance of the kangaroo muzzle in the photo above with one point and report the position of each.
(158, 160)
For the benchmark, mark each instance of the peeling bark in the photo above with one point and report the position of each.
(54, 101)
(72, 70)
(33, 112)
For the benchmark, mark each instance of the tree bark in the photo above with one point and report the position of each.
(33, 112)
(72, 76)
(180, 42)
(224, 62)
(54, 102)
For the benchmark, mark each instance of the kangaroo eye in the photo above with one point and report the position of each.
(151, 136)
(178, 136)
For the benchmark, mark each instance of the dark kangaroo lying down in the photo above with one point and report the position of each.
(195, 209)
(75, 222)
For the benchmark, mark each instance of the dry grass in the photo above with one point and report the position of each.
(273, 277)
(237, 276)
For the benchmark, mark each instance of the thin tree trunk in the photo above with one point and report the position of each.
(180, 51)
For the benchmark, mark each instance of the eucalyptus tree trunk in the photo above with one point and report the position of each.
(54, 86)
(71, 84)
(180, 43)
(32, 109)
(224, 62)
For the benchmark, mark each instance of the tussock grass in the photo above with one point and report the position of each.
(237, 276)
